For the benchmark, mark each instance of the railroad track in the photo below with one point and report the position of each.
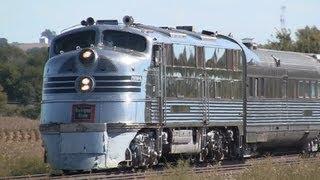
(224, 169)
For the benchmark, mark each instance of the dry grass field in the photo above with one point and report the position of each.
(21, 147)
(264, 170)
(17, 123)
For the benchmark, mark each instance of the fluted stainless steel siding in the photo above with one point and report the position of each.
(267, 112)
(223, 111)
(195, 115)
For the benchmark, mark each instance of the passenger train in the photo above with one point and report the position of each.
(126, 94)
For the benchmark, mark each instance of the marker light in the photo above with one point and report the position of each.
(87, 56)
(85, 84)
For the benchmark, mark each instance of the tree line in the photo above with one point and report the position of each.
(21, 79)
(306, 40)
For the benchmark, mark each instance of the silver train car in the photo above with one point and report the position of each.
(128, 94)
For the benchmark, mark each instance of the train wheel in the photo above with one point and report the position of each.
(311, 148)
(143, 150)
(216, 145)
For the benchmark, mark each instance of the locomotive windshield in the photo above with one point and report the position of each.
(124, 40)
(71, 41)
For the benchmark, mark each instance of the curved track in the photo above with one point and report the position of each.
(227, 168)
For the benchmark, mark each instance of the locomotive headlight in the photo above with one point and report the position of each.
(87, 56)
(85, 84)
(85, 81)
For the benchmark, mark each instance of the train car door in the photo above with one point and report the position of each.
(154, 89)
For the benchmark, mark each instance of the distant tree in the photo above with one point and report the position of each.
(49, 34)
(37, 56)
(283, 41)
(12, 54)
(3, 98)
(308, 40)
(21, 79)
(3, 41)
(21, 73)
(9, 79)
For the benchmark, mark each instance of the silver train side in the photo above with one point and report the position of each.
(152, 102)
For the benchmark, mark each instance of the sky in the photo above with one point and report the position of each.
(23, 21)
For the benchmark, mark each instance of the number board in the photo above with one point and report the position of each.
(83, 113)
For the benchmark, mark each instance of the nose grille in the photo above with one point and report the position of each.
(104, 84)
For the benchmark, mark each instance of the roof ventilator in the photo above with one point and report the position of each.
(107, 22)
(186, 28)
(209, 33)
(317, 57)
(276, 60)
(250, 43)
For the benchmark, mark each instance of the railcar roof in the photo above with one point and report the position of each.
(183, 38)
(172, 35)
(166, 35)
(288, 60)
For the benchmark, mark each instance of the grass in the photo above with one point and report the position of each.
(264, 170)
(183, 171)
(20, 147)
(22, 166)
(267, 169)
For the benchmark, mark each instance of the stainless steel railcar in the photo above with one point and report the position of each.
(128, 94)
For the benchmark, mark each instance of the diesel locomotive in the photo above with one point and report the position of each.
(128, 94)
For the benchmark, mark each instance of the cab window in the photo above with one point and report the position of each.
(124, 40)
(73, 41)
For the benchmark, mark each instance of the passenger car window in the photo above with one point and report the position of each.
(318, 89)
(210, 57)
(301, 89)
(307, 89)
(124, 40)
(251, 86)
(221, 58)
(255, 94)
(184, 55)
(70, 42)
(313, 89)
(261, 84)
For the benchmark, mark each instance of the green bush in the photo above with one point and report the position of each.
(31, 112)
(12, 110)
(21, 73)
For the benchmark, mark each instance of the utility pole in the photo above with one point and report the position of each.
(283, 18)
